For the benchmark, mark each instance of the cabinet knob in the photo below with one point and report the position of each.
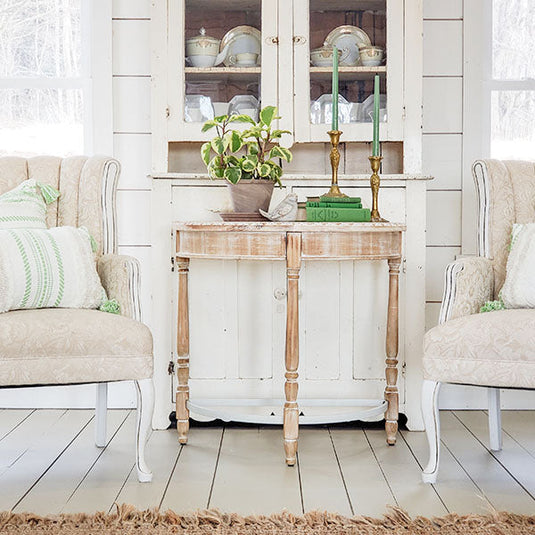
(299, 39)
(273, 40)
(279, 294)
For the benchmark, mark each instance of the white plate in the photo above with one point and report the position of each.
(347, 39)
(242, 39)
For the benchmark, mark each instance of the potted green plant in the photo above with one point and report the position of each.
(250, 159)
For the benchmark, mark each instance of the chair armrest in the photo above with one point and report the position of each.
(119, 275)
(469, 282)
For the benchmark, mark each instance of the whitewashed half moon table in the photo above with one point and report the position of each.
(293, 242)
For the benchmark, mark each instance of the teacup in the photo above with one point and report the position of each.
(323, 56)
(371, 56)
(243, 59)
(201, 60)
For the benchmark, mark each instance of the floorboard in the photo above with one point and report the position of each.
(502, 491)
(403, 474)
(10, 419)
(191, 481)
(366, 485)
(251, 466)
(103, 482)
(321, 480)
(518, 462)
(455, 488)
(39, 454)
(520, 425)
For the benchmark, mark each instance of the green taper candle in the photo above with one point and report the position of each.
(334, 123)
(375, 145)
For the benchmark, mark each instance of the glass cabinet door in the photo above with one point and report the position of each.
(369, 36)
(222, 59)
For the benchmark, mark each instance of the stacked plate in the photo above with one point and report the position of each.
(348, 39)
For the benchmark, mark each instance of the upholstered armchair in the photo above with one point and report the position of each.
(64, 346)
(492, 349)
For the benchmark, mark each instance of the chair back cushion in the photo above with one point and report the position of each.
(87, 186)
(506, 191)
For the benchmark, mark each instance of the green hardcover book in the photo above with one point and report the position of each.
(339, 199)
(342, 206)
(338, 214)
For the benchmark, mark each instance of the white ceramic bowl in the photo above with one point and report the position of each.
(322, 57)
(371, 56)
(201, 60)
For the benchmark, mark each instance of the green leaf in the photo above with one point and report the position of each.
(231, 160)
(232, 174)
(267, 114)
(208, 125)
(253, 148)
(221, 119)
(248, 165)
(242, 118)
(264, 170)
(219, 145)
(205, 152)
(235, 141)
(280, 152)
(276, 134)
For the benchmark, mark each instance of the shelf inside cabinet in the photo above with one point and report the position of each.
(222, 5)
(347, 73)
(344, 5)
(222, 73)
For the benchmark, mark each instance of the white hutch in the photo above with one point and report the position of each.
(237, 307)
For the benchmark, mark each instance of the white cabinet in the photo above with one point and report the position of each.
(284, 75)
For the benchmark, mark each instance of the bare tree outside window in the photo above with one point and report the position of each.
(513, 79)
(41, 77)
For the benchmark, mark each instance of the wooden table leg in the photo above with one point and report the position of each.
(182, 344)
(291, 409)
(391, 390)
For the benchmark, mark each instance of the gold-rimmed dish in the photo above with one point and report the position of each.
(347, 38)
(241, 40)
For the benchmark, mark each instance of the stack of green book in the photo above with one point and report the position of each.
(336, 209)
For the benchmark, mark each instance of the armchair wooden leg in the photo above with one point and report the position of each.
(495, 419)
(145, 408)
(430, 391)
(101, 408)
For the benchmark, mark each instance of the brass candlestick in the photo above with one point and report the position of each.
(335, 162)
(375, 182)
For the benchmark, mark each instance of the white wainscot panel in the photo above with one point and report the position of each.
(134, 153)
(443, 48)
(444, 218)
(370, 313)
(131, 104)
(432, 312)
(443, 105)
(131, 47)
(437, 258)
(439, 9)
(143, 255)
(131, 9)
(133, 211)
(442, 159)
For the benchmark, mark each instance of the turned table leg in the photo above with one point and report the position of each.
(182, 344)
(391, 390)
(291, 409)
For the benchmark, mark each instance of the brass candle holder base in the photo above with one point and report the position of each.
(335, 162)
(375, 182)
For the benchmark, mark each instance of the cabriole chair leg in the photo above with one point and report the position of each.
(145, 406)
(430, 391)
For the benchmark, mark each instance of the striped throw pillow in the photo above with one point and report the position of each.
(44, 268)
(25, 205)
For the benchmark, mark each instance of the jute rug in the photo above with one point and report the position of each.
(127, 520)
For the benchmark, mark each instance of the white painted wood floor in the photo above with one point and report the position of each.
(49, 464)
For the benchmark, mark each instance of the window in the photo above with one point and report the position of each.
(511, 95)
(46, 83)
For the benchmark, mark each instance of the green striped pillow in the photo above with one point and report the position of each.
(43, 268)
(25, 205)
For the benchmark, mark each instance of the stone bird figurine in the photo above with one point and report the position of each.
(286, 210)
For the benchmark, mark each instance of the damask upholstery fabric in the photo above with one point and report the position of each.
(494, 348)
(43, 268)
(512, 200)
(64, 346)
(519, 288)
(474, 284)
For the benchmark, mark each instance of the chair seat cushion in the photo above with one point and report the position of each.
(62, 346)
(492, 349)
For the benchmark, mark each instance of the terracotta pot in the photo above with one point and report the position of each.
(249, 196)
